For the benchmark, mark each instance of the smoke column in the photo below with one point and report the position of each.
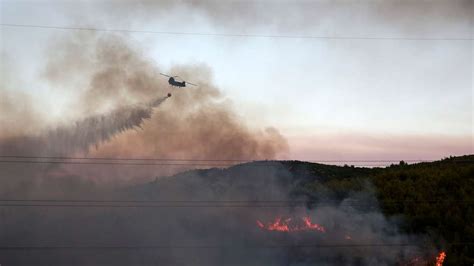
(108, 77)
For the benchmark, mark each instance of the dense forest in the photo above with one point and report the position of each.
(435, 198)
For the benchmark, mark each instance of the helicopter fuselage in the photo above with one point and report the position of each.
(175, 83)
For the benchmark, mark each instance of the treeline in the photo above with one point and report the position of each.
(436, 198)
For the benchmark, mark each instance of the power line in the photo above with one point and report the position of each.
(208, 204)
(114, 163)
(150, 164)
(176, 206)
(223, 201)
(200, 160)
(123, 159)
(184, 163)
(249, 246)
(142, 206)
(202, 163)
(234, 34)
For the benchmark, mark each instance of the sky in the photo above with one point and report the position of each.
(396, 85)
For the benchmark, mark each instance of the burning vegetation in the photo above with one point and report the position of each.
(291, 225)
(440, 258)
(304, 224)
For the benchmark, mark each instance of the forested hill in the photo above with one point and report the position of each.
(435, 198)
(432, 198)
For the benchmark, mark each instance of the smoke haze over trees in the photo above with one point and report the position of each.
(210, 215)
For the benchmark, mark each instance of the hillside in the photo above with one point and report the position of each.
(259, 213)
(434, 199)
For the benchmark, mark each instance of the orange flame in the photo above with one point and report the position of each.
(420, 260)
(311, 226)
(440, 258)
(288, 226)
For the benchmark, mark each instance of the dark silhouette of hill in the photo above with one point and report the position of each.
(432, 198)
(209, 217)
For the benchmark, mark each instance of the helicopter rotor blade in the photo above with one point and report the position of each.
(191, 83)
(165, 75)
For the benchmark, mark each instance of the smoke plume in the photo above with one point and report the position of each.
(116, 108)
(113, 84)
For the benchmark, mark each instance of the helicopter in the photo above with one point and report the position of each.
(174, 83)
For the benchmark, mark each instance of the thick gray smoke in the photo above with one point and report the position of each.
(370, 18)
(115, 88)
(196, 123)
(210, 218)
(110, 79)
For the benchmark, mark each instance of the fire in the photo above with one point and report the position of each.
(311, 226)
(440, 258)
(423, 260)
(289, 225)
